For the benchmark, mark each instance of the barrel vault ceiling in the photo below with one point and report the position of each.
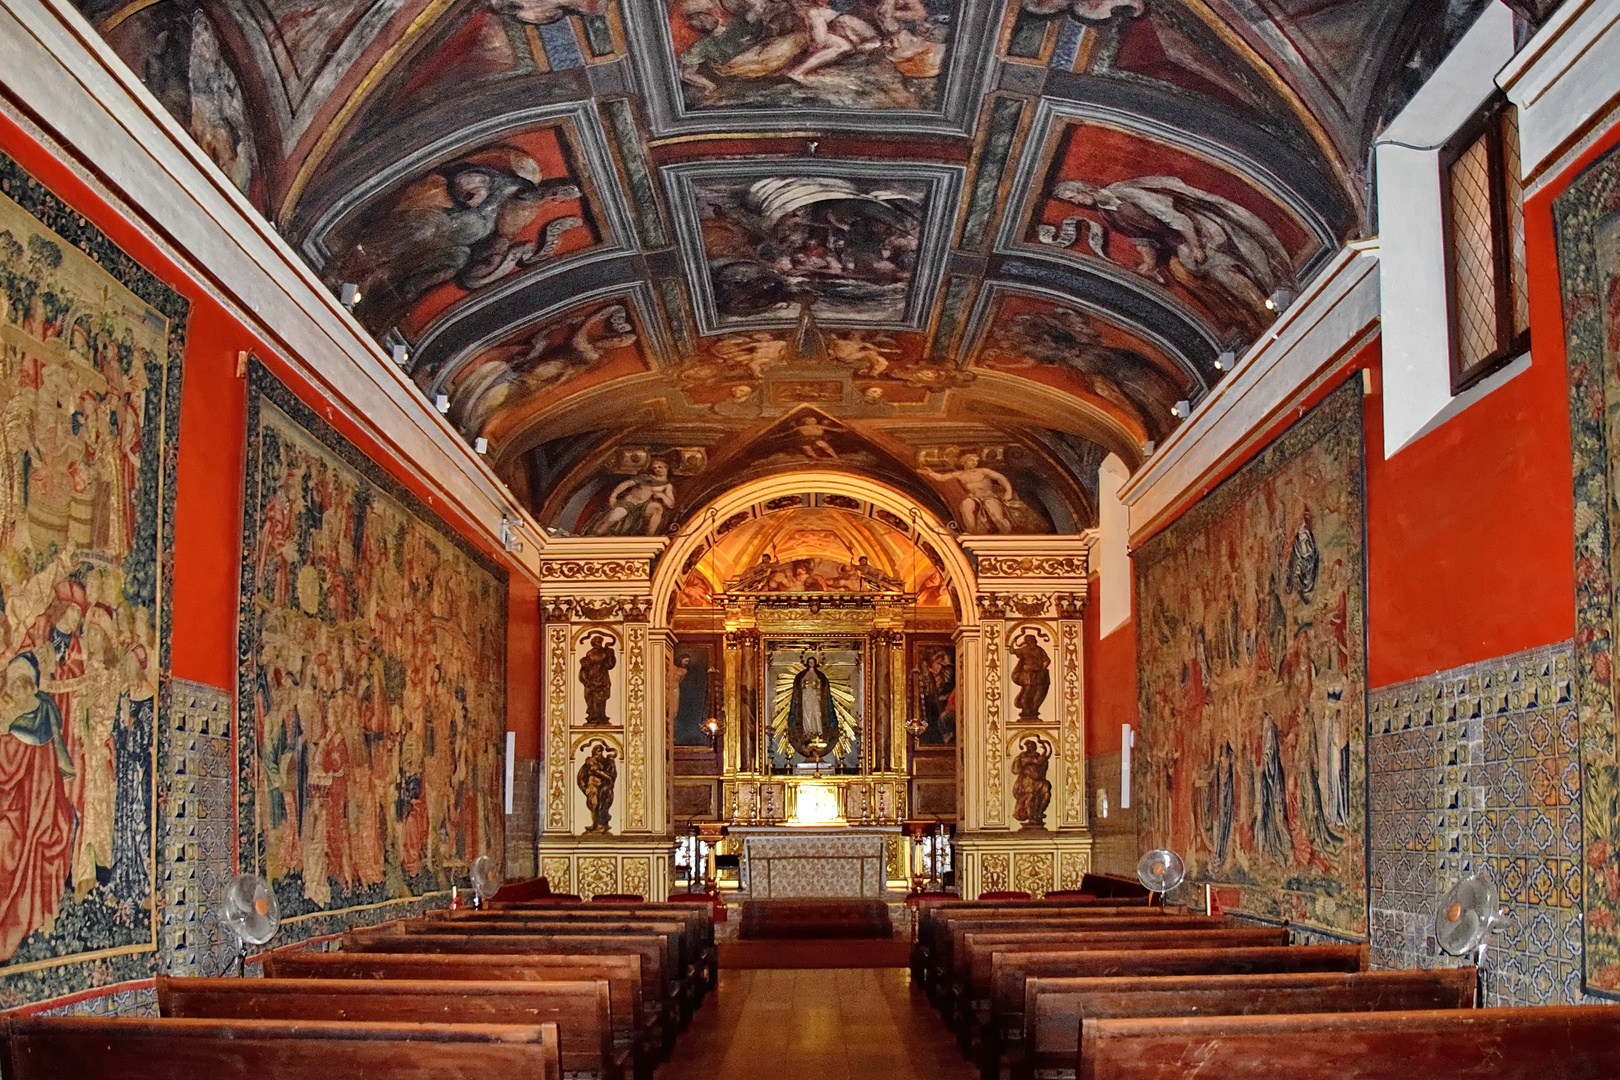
(664, 245)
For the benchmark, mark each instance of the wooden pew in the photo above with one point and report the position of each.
(54, 1047)
(632, 1034)
(680, 960)
(931, 951)
(1053, 1008)
(660, 994)
(1009, 970)
(971, 981)
(581, 1010)
(948, 962)
(1547, 1042)
(700, 916)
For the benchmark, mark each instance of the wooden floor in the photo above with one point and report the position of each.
(816, 1024)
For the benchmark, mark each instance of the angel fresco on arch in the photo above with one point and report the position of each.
(1219, 251)
(463, 222)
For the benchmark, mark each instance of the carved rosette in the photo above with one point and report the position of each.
(557, 730)
(1074, 725)
(994, 811)
(636, 726)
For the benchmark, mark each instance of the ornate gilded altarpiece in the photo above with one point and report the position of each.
(91, 345)
(372, 675)
(1587, 219)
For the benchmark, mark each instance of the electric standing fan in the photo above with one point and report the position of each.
(486, 880)
(1160, 870)
(249, 910)
(1465, 919)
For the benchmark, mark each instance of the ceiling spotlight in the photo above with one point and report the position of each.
(481, 445)
(1226, 361)
(349, 294)
(1279, 300)
(441, 402)
(509, 536)
(1183, 409)
(402, 355)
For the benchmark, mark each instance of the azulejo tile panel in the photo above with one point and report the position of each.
(1467, 771)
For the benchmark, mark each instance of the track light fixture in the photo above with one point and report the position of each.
(349, 294)
(1226, 361)
(441, 402)
(1183, 409)
(1279, 300)
(402, 355)
(481, 445)
(509, 536)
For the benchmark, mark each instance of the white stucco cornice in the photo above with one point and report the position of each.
(1333, 318)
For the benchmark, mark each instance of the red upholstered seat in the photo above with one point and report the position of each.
(514, 892)
(1008, 895)
(618, 898)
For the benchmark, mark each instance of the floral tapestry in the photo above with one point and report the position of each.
(1252, 660)
(90, 356)
(1587, 219)
(372, 675)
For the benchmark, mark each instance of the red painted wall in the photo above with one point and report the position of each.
(1110, 680)
(213, 424)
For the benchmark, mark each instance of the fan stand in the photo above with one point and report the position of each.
(1479, 973)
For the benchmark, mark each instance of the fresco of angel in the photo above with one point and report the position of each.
(466, 222)
(1221, 252)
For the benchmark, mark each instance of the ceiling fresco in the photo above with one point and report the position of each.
(649, 248)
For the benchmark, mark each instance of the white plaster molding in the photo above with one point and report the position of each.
(1335, 316)
(1412, 260)
(57, 68)
(1111, 556)
(1566, 84)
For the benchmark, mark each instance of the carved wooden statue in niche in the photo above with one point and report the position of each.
(1032, 675)
(598, 773)
(1032, 791)
(595, 676)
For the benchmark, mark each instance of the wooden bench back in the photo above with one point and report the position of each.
(698, 923)
(1053, 1008)
(622, 973)
(656, 984)
(1010, 969)
(957, 929)
(1548, 1042)
(53, 1047)
(947, 933)
(677, 952)
(581, 1010)
(979, 946)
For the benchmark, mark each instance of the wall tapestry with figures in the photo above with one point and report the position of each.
(1252, 662)
(1587, 219)
(372, 675)
(90, 356)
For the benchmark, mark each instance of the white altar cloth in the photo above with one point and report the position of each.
(814, 861)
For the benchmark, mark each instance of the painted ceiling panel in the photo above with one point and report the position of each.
(648, 248)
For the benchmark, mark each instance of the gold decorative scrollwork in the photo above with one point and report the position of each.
(995, 872)
(1032, 872)
(597, 874)
(994, 811)
(1073, 866)
(1074, 725)
(595, 569)
(636, 725)
(1032, 566)
(557, 729)
(558, 872)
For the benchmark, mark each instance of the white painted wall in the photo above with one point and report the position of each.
(1412, 267)
(1111, 554)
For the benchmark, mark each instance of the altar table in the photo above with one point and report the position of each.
(825, 861)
